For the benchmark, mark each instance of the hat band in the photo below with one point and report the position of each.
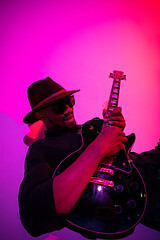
(48, 98)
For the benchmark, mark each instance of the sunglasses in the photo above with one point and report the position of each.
(60, 105)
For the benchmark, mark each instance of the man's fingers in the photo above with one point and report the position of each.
(116, 112)
(120, 124)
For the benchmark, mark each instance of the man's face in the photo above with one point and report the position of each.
(60, 115)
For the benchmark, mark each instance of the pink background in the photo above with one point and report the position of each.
(76, 43)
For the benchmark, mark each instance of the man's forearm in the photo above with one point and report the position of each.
(69, 185)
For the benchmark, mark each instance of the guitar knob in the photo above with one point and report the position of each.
(132, 203)
(118, 209)
(119, 188)
(91, 127)
(134, 186)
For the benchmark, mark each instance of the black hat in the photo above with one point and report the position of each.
(41, 93)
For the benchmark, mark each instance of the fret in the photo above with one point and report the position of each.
(112, 104)
(116, 85)
(113, 101)
(114, 96)
(111, 108)
(115, 90)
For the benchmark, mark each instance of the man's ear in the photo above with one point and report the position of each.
(40, 116)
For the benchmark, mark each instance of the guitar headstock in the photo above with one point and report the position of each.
(117, 75)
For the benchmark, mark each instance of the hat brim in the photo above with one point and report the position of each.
(31, 118)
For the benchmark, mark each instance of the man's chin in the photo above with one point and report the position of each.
(71, 123)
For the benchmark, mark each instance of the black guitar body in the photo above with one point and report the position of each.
(115, 199)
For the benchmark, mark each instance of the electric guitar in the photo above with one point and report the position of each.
(114, 200)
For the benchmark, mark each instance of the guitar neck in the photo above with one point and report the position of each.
(114, 95)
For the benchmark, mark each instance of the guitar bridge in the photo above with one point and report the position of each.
(105, 170)
(102, 182)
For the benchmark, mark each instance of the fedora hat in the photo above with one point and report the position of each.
(41, 93)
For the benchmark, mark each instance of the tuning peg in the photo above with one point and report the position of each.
(111, 75)
(124, 77)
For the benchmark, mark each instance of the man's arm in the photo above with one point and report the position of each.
(69, 185)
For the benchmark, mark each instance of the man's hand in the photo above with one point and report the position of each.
(115, 118)
(110, 141)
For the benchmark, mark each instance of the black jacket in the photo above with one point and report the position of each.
(36, 201)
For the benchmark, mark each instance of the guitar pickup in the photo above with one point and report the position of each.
(102, 182)
(105, 170)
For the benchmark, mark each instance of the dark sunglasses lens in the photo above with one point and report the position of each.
(61, 106)
(70, 101)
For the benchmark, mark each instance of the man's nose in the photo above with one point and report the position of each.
(68, 109)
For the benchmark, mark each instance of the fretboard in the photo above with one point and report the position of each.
(114, 95)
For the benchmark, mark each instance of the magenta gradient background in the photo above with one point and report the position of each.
(77, 43)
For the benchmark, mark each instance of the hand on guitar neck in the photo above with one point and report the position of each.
(114, 118)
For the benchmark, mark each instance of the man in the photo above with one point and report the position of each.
(45, 201)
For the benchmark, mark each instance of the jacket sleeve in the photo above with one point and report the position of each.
(36, 201)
